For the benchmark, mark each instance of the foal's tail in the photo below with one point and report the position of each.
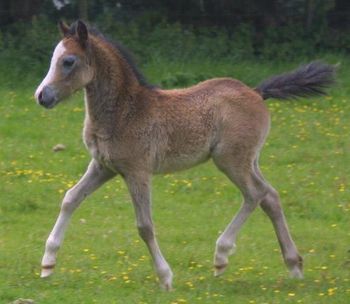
(308, 80)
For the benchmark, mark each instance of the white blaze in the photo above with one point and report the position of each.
(58, 52)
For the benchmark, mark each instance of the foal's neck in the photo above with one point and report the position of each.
(112, 92)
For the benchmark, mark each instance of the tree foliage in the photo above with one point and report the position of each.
(223, 13)
(183, 29)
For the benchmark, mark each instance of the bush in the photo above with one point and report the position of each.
(27, 47)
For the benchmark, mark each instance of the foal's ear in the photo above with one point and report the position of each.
(82, 32)
(64, 28)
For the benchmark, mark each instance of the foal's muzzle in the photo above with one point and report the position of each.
(47, 97)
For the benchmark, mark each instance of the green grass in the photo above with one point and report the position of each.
(103, 260)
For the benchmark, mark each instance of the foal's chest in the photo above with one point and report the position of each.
(99, 146)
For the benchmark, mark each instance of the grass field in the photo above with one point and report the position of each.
(103, 260)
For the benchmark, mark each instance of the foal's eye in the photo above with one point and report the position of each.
(68, 62)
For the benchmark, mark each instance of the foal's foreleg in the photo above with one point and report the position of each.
(93, 178)
(139, 187)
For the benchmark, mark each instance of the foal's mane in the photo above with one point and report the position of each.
(122, 51)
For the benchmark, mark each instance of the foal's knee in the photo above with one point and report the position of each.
(146, 232)
(70, 201)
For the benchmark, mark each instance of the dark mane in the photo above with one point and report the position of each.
(122, 50)
(130, 59)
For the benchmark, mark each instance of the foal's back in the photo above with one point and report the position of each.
(188, 125)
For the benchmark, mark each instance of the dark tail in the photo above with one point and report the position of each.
(308, 80)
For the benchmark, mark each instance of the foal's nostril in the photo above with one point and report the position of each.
(40, 97)
(47, 97)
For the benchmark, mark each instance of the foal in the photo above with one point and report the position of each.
(136, 130)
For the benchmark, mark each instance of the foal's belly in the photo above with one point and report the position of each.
(176, 160)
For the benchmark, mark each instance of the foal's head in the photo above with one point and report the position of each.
(70, 67)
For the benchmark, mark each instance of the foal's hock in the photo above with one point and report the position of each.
(134, 129)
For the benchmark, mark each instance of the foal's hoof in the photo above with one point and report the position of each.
(46, 271)
(296, 273)
(166, 279)
(166, 286)
(295, 267)
(219, 270)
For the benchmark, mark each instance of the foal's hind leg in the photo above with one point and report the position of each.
(241, 172)
(272, 207)
(94, 177)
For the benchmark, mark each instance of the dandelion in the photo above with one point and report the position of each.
(93, 257)
(142, 258)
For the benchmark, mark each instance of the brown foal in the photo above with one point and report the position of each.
(135, 130)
